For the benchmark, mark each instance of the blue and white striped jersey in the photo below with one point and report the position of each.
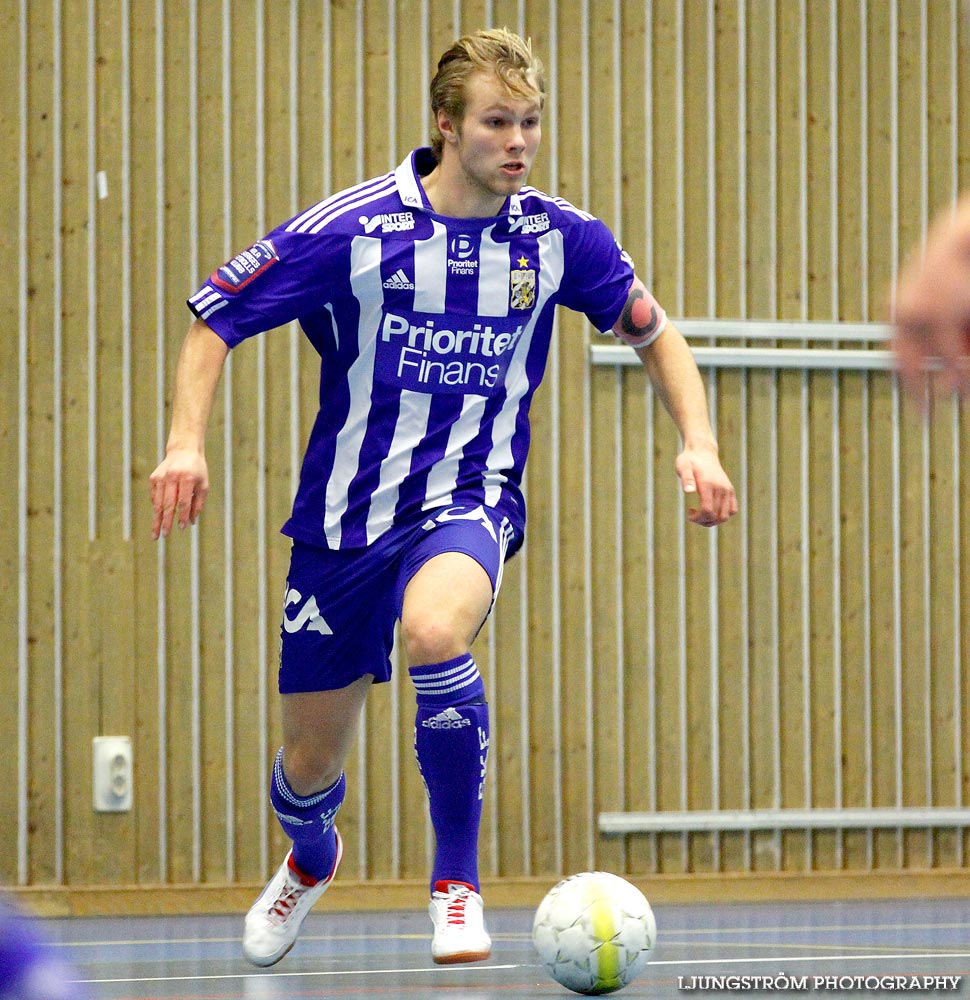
(433, 335)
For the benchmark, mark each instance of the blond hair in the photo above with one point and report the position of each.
(497, 51)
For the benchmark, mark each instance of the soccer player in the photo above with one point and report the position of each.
(933, 303)
(429, 294)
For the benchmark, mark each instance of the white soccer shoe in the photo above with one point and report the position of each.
(457, 913)
(273, 922)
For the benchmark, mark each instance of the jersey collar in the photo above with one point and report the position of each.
(421, 161)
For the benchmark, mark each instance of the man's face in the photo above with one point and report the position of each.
(498, 137)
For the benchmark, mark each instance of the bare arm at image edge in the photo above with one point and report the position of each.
(180, 484)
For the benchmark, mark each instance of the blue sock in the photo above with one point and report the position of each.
(451, 745)
(308, 821)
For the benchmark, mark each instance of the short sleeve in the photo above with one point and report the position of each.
(276, 280)
(598, 273)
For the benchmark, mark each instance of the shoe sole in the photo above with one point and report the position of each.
(462, 956)
(262, 962)
(265, 963)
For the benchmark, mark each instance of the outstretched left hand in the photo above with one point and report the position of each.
(700, 472)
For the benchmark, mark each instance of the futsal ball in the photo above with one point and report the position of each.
(594, 932)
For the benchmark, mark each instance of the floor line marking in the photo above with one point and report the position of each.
(779, 959)
(281, 975)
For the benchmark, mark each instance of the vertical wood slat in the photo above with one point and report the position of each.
(42, 190)
(160, 746)
(217, 853)
(57, 496)
(144, 196)
(795, 623)
(195, 156)
(15, 602)
(110, 555)
(79, 693)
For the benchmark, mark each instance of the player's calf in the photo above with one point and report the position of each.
(451, 746)
(274, 921)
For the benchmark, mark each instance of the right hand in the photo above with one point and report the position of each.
(933, 304)
(179, 487)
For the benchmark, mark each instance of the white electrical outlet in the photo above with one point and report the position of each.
(113, 773)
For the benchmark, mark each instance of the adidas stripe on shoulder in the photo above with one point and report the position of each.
(315, 218)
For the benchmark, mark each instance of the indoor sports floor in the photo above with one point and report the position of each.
(387, 954)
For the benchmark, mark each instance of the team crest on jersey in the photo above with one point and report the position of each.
(245, 267)
(523, 288)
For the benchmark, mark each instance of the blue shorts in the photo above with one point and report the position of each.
(342, 605)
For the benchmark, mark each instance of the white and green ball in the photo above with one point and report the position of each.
(594, 932)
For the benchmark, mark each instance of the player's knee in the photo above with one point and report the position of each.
(308, 769)
(429, 638)
(432, 642)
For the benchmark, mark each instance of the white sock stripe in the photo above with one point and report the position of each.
(450, 681)
(446, 688)
(465, 680)
(421, 679)
(450, 689)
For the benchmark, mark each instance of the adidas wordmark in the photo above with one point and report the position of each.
(450, 718)
(398, 280)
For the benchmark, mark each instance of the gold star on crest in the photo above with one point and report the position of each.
(523, 261)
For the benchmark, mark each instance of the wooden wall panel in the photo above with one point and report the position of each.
(12, 171)
(205, 731)
(82, 676)
(853, 584)
(42, 716)
(823, 662)
(180, 625)
(853, 301)
(758, 160)
(147, 291)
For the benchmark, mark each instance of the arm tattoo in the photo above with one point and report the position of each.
(633, 325)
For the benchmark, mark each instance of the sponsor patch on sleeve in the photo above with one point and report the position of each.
(245, 267)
